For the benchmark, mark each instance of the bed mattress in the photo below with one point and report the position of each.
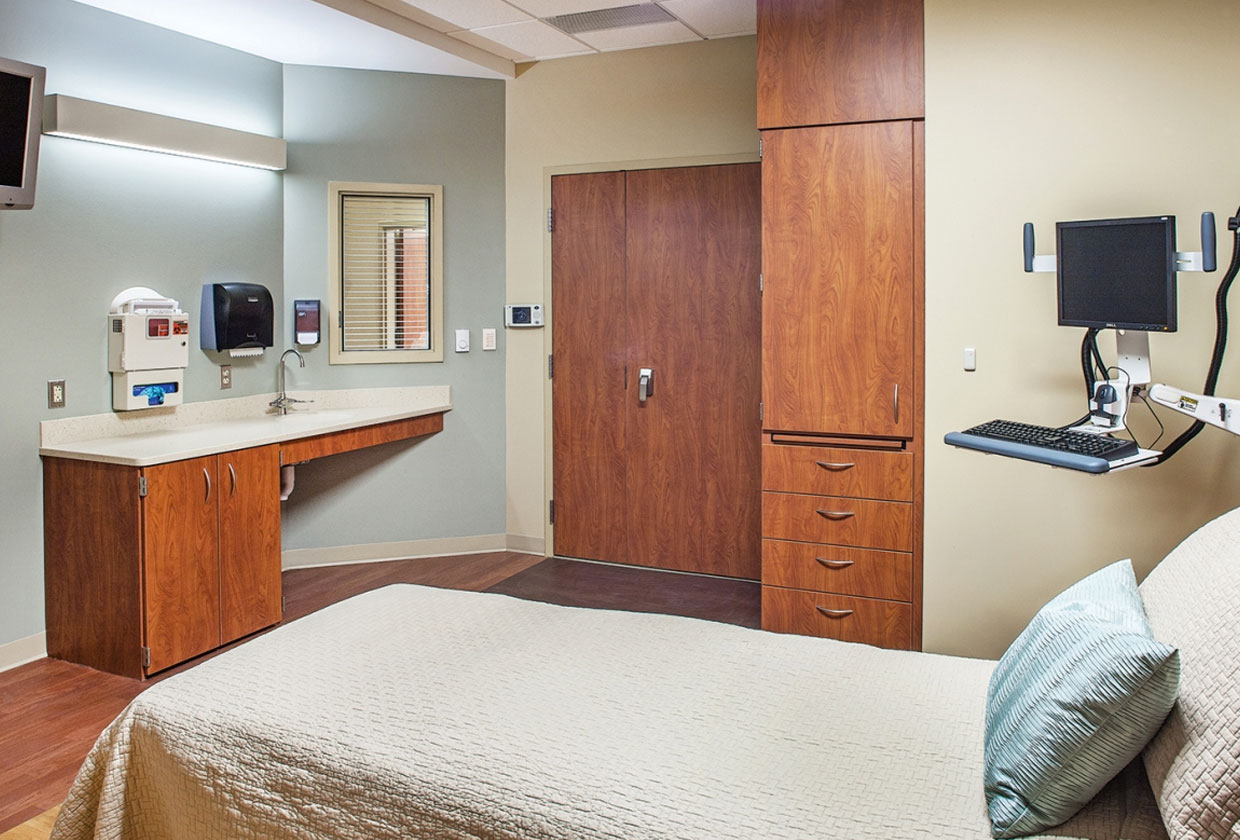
(418, 712)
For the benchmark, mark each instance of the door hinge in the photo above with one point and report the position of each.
(550, 220)
(551, 511)
(761, 413)
(146, 657)
(551, 366)
(283, 604)
(339, 320)
(761, 283)
(142, 487)
(760, 138)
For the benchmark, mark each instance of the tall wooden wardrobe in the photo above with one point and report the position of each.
(841, 108)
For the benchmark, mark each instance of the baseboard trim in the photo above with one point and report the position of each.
(527, 545)
(21, 651)
(340, 555)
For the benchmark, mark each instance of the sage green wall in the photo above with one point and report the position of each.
(107, 218)
(405, 128)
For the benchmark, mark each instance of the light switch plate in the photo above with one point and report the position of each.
(462, 341)
(488, 338)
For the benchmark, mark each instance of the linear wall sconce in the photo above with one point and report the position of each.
(82, 119)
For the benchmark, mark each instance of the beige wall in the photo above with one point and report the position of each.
(1043, 111)
(689, 101)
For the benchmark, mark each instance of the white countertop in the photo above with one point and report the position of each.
(189, 431)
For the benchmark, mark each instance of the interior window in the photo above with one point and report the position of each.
(386, 273)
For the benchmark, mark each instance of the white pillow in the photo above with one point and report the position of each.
(1192, 600)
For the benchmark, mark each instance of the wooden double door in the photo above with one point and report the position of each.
(656, 378)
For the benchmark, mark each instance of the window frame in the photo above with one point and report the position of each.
(337, 355)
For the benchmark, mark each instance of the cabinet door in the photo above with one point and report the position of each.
(838, 61)
(250, 595)
(181, 579)
(838, 262)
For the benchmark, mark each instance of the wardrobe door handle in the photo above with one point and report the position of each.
(233, 474)
(834, 564)
(207, 476)
(834, 613)
(895, 402)
(835, 466)
(835, 514)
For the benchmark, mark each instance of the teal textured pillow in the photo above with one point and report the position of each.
(1072, 701)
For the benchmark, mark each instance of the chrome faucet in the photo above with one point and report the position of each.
(283, 400)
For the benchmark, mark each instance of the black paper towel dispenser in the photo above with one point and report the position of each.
(236, 316)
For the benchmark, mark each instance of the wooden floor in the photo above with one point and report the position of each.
(51, 712)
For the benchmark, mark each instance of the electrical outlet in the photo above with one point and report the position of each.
(55, 393)
(225, 376)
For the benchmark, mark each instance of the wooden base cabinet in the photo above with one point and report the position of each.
(147, 567)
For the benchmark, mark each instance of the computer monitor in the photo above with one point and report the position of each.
(21, 115)
(1117, 273)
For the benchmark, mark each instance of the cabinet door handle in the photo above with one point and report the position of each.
(895, 402)
(835, 514)
(207, 476)
(834, 613)
(233, 474)
(834, 564)
(835, 466)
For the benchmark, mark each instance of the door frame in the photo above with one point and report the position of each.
(548, 329)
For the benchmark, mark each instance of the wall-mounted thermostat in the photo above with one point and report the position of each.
(523, 315)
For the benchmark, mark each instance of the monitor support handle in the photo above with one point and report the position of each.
(1204, 260)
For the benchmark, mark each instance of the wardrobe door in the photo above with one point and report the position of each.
(838, 261)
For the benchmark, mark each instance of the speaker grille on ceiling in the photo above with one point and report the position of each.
(614, 18)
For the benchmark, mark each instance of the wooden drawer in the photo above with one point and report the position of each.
(830, 519)
(862, 473)
(886, 624)
(831, 568)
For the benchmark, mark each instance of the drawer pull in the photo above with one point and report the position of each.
(835, 466)
(835, 514)
(834, 613)
(834, 564)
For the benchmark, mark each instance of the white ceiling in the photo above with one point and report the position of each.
(481, 38)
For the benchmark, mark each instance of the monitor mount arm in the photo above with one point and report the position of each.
(1215, 411)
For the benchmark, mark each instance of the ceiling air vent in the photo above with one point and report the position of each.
(615, 18)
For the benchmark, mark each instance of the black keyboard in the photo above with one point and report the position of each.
(1061, 440)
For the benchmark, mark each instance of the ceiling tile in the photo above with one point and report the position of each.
(470, 15)
(533, 38)
(716, 18)
(632, 37)
(551, 8)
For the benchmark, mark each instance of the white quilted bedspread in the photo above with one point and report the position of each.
(416, 712)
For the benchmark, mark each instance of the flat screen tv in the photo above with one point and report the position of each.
(21, 123)
(1117, 273)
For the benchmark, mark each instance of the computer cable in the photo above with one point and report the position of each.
(1220, 341)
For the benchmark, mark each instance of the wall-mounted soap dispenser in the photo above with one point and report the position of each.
(237, 318)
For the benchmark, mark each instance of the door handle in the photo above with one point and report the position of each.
(233, 474)
(835, 514)
(206, 475)
(895, 402)
(645, 384)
